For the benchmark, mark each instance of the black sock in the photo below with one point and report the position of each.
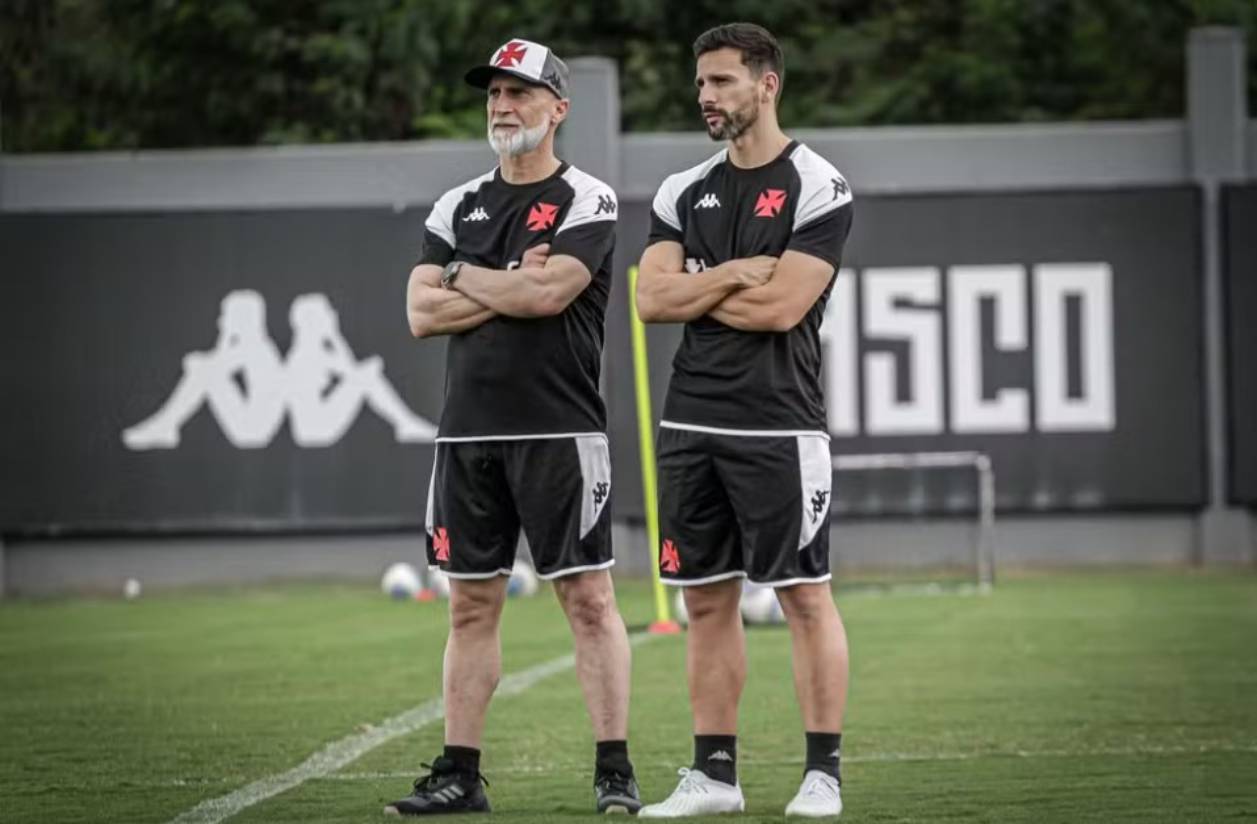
(612, 756)
(716, 756)
(466, 760)
(824, 753)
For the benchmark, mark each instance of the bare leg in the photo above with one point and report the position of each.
(602, 650)
(819, 653)
(716, 656)
(473, 657)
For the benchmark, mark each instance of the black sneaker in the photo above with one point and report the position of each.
(616, 793)
(445, 790)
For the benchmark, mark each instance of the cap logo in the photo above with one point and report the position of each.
(510, 54)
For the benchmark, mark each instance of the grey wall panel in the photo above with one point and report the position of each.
(916, 159)
(951, 158)
(392, 175)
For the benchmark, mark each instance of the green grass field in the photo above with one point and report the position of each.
(1098, 697)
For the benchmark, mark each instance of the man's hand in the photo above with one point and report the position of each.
(752, 272)
(535, 257)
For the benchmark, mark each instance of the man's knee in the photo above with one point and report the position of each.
(713, 602)
(588, 599)
(475, 605)
(807, 604)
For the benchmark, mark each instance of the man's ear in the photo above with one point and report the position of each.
(771, 85)
(560, 111)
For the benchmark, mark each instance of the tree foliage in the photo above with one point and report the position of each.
(95, 74)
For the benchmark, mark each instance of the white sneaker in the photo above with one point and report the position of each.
(819, 796)
(697, 795)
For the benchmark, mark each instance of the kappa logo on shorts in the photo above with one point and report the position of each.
(669, 560)
(818, 503)
(441, 544)
(600, 492)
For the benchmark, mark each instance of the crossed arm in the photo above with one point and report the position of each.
(760, 294)
(540, 287)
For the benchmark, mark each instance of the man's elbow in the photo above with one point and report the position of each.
(551, 302)
(647, 310)
(783, 319)
(420, 324)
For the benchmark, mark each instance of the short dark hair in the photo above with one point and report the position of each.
(760, 50)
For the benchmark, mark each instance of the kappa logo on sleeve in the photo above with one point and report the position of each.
(606, 205)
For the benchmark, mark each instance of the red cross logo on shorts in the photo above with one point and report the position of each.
(441, 544)
(511, 54)
(670, 561)
(541, 216)
(770, 202)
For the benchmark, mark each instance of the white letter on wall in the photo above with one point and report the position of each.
(1009, 410)
(918, 326)
(839, 343)
(1092, 284)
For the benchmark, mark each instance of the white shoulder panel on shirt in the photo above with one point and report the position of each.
(665, 204)
(593, 200)
(822, 187)
(441, 221)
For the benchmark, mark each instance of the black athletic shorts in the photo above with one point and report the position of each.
(482, 492)
(738, 505)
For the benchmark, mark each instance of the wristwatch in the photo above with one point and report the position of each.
(450, 273)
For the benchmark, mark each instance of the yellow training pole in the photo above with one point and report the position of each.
(645, 438)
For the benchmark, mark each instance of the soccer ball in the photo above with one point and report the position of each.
(400, 581)
(523, 581)
(760, 605)
(438, 582)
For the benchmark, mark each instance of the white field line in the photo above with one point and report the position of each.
(345, 751)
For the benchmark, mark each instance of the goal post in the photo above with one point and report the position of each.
(983, 549)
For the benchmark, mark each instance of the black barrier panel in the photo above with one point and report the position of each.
(1058, 332)
(1083, 308)
(1240, 244)
(119, 330)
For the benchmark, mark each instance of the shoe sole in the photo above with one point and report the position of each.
(619, 805)
(393, 811)
(741, 809)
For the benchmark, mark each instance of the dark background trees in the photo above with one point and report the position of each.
(98, 74)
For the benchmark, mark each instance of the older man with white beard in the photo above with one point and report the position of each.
(516, 270)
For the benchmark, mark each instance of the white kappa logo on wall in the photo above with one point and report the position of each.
(249, 389)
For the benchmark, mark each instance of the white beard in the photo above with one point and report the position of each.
(521, 140)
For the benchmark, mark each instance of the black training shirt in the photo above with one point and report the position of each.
(722, 377)
(512, 377)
